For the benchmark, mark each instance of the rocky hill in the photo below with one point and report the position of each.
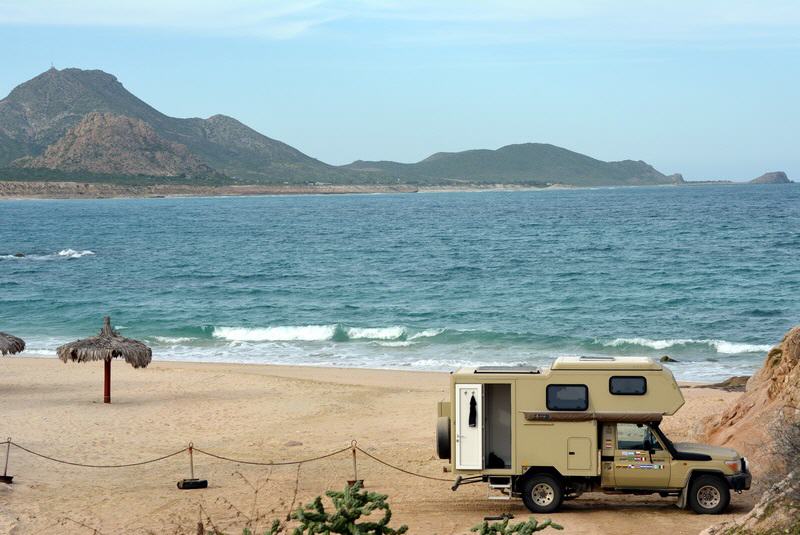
(42, 124)
(771, 398)
(774, 177)
(764, 425)
(523, 163)
(40, 111)
(111, 144)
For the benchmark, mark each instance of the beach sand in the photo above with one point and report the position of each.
(259, 412)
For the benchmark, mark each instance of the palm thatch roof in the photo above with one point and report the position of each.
(10, 344)
(105, 346)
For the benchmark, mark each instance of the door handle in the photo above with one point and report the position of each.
(572, 453)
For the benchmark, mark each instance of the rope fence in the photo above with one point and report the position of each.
(354, 447)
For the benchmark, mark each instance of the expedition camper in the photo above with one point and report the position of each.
(587, 424)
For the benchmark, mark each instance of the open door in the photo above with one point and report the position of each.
(469, 427)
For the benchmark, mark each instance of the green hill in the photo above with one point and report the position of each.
(528, 163)
(42, 136)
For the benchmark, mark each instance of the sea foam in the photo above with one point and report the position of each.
(305, 333)
(62, 254)
(721, 346)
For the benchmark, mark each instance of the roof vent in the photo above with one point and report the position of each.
(507, 369)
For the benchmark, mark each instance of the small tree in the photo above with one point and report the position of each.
(349, 506)
(523, 528)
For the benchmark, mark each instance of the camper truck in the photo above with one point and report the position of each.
(586, 424)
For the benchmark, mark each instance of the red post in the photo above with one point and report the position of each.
(107, 382)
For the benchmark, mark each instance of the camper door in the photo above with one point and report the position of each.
(469, 427)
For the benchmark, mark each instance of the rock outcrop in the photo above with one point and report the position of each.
(778, 511)
(771, 399)
(105, 143)
(775, 177)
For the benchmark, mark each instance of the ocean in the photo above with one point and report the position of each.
(709, 275)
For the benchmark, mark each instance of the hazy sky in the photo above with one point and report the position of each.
(709, 89)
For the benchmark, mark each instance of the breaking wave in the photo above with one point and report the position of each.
(322, 333)
(377, 333)
(306, 333)
(721, 346)
(62, 254)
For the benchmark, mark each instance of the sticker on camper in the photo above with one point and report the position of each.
(632, 454)
(641, 466)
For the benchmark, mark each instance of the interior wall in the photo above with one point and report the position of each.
(497, 423)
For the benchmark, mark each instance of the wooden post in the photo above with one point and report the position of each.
(107, 382)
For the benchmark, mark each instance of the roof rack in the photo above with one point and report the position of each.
(598, 357)
(508, 369)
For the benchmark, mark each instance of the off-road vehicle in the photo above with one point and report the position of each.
(586, 424)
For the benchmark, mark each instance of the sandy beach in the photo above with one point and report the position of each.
(257, 412)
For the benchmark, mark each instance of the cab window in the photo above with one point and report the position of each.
(636, 437)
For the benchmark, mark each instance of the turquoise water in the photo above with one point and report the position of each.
(708, 274)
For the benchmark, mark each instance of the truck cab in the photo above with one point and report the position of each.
(585, 424)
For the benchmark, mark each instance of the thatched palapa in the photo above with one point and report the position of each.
(10, 344)
(106, 346)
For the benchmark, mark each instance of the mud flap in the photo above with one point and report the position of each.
(682, 498)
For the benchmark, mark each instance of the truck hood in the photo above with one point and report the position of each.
(715, 452)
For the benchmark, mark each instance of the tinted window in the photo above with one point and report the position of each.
(567, 397)
(627, 386)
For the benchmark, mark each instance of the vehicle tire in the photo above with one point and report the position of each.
(443, 437)
(542, 493)
(709, 495)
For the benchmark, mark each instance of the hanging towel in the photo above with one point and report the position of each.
(473, 412)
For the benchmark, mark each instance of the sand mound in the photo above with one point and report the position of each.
(771, 398)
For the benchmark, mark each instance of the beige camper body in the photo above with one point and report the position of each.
(586, 423)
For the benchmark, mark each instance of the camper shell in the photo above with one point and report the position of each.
(584, 424)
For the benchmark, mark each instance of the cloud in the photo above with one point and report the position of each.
(276, 20)
(443, 21)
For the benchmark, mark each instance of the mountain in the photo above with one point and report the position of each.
(109, 144)
(774, 177)
(526, 163)
(40, 111)
(64, 123)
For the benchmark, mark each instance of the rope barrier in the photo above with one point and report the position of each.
(353, 447)
(83, 465)
(401, 469)
(271, 463)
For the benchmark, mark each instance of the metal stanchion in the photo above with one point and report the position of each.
(192, 483)
(5, 478)
(351, 482)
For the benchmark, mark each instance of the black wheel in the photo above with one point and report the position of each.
(542, 493)
(443, 437)
(709, 495)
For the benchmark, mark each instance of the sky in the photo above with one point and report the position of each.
(708, 89)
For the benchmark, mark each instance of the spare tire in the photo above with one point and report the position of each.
(443, 437)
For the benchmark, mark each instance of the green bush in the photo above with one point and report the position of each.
(523, 528)
(349, 506)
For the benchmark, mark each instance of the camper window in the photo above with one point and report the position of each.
(567, 397)
(627, 385)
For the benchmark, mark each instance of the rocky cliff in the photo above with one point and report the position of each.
(764, 425)
(112, 144)
(771, 401)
